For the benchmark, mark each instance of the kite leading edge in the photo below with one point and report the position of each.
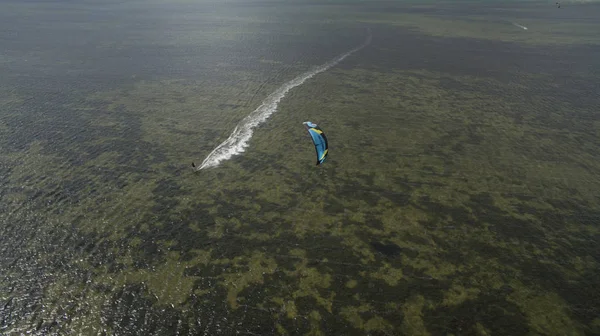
(319, 140)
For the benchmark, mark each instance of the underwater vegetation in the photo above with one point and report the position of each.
(460, 194)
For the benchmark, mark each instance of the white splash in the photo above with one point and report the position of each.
(238, 140)
(518, 25)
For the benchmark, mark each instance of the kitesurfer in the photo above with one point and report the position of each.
(193, 165)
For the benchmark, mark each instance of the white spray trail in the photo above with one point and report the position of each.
(238, 140)
(518, 25)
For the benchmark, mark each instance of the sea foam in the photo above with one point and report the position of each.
(518, 25)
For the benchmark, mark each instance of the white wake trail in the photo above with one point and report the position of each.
(238, 140)
(518, 25)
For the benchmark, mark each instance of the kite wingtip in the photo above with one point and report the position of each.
(309, 124)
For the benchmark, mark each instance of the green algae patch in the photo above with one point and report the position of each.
(315, 322)
(354, 316)
(351, 283)
(280, 329)
(547, 312)
(388, 274)
(168, 282)
(255, 267)
(457, 294)
(479, 329)
(311, 283)
(289, 307)
(438, 269)
(61, 298)
(413, 323)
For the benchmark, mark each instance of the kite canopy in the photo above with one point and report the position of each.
(319, 140)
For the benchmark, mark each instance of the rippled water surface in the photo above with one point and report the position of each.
(460, 195)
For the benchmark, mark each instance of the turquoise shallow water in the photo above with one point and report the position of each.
(460, 195)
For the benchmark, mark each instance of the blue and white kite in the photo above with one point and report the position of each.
(319, 139)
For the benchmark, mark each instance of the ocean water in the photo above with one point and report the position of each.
(460, 195)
